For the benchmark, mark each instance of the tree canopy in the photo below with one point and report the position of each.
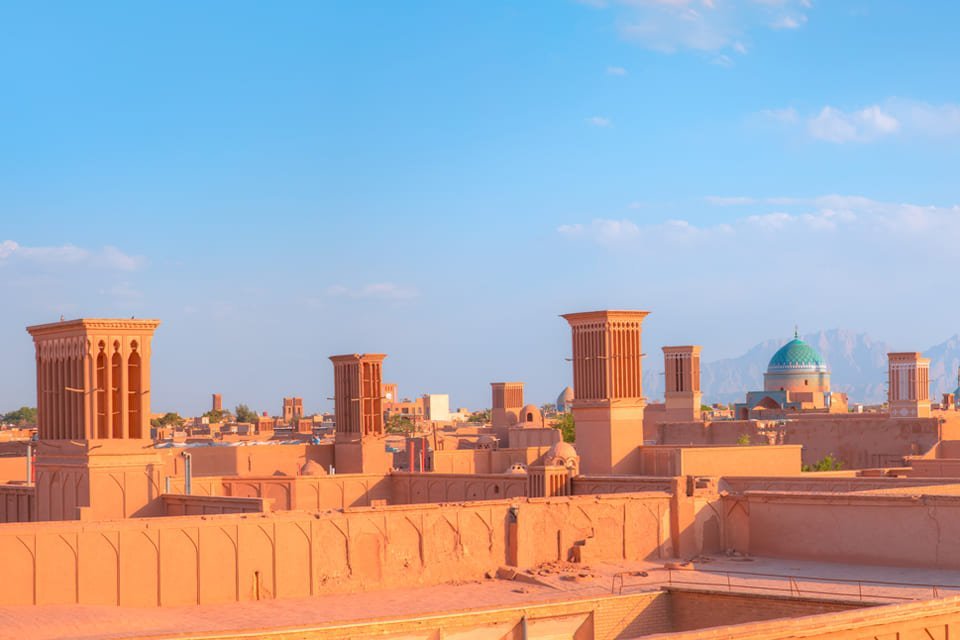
(399, 424)
(170, 419)
(568, 429)
(21, 416)
(244, 414)
(480, 416)
(215, 415)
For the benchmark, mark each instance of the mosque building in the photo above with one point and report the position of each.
(797, 379)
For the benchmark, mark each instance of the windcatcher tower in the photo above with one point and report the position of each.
(507, 403)
(292, 409)
(908, 388)
(681, 366)
(608, 393)
(360, 445)
(95, 457)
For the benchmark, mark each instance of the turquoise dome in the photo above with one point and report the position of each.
(796, 356)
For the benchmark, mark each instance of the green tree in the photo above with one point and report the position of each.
(244, 414)
(22, 416)
(744, 439)
(171, 419)
(215, 415)
(399, 424)
(828, 463)
(482, 417)
(568, 429)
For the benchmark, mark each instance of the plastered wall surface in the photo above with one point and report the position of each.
(858, 441)
(662, 460)
(933, 619)
(13, 469)
(189, 560)
(886, 529)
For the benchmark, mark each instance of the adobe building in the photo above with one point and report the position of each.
(390, 392)
(393, 405)
(688, 542)
(682, 382)
(292, 410)
(607, 381)
(908, 391)
(217, 404)
(797, 380)
(436, 407)
(95, 458)
(506, 404)
(359, 433)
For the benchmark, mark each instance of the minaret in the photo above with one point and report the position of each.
(607, 381)
(95, 457)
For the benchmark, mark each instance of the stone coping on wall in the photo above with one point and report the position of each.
(434, 474)
(865, 499)
(732, 447)
(844, 483)
(161, 521)
(759, 593)
(886, 621)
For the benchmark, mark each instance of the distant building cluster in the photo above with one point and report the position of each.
(667, 517)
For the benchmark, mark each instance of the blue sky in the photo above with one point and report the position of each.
(438, 181)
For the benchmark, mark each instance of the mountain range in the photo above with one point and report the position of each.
(858, 367)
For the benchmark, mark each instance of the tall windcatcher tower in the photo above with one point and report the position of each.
(358, 400)
(507, 399)
(681, 366)
(908, 388)
(93, 400)
(608, 393)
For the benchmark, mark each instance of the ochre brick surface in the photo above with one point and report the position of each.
(700, 610)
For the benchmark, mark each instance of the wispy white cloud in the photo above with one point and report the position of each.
(722, 60)
(603, 231)
(108, 257)
(700, 25)
(376, 290)
(890, 118)
(599, 121)
(789, 22)
(616, 71)
(828, 214)
(864, 125)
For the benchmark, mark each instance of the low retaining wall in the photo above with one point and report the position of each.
(886, 529)
(192, 505)
(17, 503)
(419, 488)
(168, 561)
(928, 619)
(817, 483)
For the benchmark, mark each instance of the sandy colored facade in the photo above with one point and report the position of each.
(607, 381)
(111, 520)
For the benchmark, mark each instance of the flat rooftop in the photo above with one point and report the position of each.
(557, 582)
